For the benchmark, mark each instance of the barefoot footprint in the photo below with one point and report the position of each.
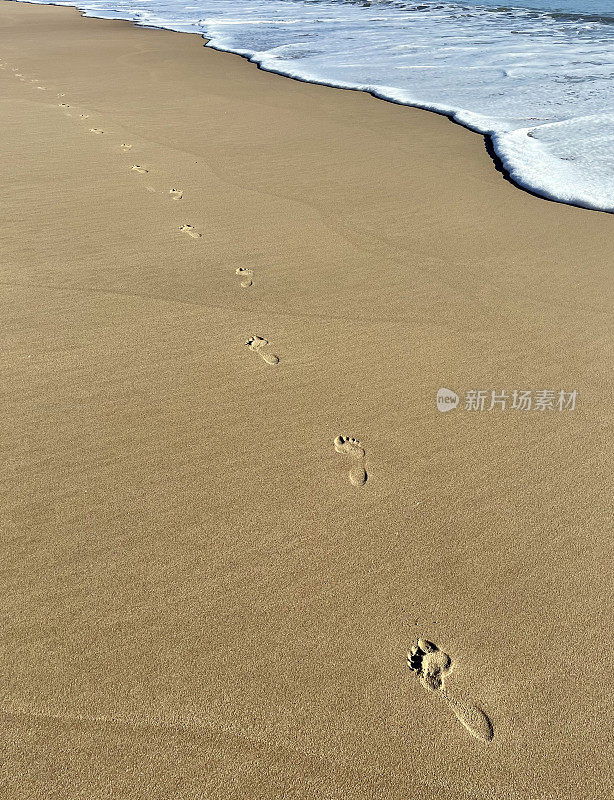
(189, 229)
(348, 446)
(432, 665)
(138, 168)
(258, 345)
(176, 194)
(247, 275)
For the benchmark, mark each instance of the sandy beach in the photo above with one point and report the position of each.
(203, 596)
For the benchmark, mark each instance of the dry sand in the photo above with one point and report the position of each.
(197, 601)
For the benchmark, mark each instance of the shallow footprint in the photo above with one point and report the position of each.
(125, 147)
(432, 665)
(176, 194)
(189, 229)
(96, 130)
(84, 116)
(138, 168)
(258, 344)
(247, 275)
(348, 446)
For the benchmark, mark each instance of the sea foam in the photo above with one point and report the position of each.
(537, 78)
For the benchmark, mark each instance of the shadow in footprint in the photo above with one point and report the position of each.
(431, 665)
(176, 194)
(138, 168)
(258, 344)
(348, 446)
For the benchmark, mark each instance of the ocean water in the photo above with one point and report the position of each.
(536, 76)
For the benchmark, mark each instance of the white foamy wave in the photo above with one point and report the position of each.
(537, 79)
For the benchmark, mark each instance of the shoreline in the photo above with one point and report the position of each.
(208, 592)
(488, 138)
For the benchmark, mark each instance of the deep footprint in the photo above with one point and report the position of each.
(258, 344)
(176, 194)
(431, 665)
(138, 168)
(348, 446)
(189, 229)
(247, 275)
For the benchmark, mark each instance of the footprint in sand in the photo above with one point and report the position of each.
(247, 276)
(432, 665)
(176, 194)
(61, 94)
(63, 106)
(96, 130)
(84, 116)
(348, 446)
(138, 168)
(42, 88)
(125, 147)
(258, 344)
(189, 229)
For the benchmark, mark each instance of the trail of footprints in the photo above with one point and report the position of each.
(344, 445)
(429, 663)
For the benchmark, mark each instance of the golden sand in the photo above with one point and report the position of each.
(217, 557)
